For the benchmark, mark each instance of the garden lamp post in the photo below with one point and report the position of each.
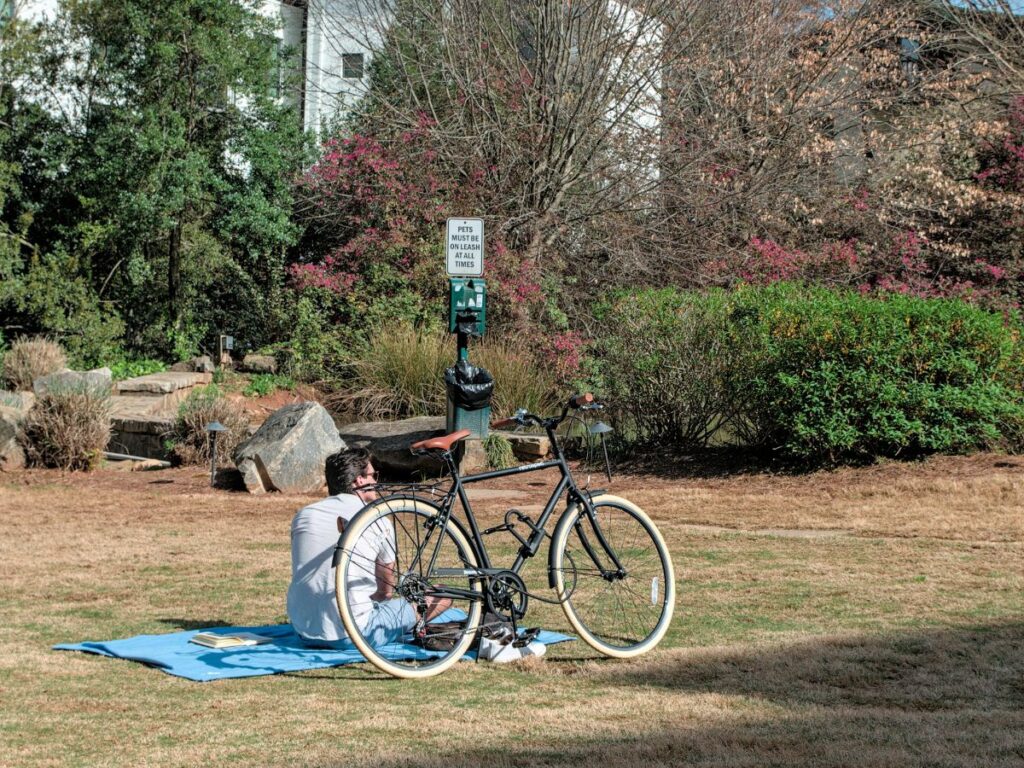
(212, 429)
(602, 429)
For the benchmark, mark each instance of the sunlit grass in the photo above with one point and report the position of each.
(894, 645)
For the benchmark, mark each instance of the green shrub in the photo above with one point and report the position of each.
(263, 384)
(816, 374)
(316, 353)
(67, 428)
(191, 442)
(665, 363)
(838, 374)
(30, 358)
(499, 452)
(131, 368)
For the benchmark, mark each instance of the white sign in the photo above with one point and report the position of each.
(464, 247)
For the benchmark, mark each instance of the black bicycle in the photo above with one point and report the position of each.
(608, 564)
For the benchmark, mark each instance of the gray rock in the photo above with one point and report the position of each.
(287, 453)
(203, 364)
(163, 383)
(20, 401)
(99, 379)
(528, 447)
(185, 366)
(389, 443)
(12, 456)
(259, 364)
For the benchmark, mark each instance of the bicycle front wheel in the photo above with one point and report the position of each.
(399, 569)
(621, 609)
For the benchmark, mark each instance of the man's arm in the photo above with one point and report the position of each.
(386, 575)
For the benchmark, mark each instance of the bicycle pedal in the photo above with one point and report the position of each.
(528, 636)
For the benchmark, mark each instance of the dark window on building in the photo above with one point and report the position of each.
(352, 66)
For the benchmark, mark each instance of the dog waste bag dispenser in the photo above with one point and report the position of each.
(469, 387)
(467, 314)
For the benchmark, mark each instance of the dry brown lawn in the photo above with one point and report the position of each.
(862, 617)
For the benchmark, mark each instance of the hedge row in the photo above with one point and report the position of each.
(816, 374)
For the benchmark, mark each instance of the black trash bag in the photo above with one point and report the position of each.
(469, 387)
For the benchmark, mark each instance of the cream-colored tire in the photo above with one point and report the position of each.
(409, 523)
(619, 614)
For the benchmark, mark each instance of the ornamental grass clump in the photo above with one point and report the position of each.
(401, 374)
(68, 428)
(30, 358)
(191, 442)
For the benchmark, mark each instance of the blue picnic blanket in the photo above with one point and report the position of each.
(175, 655)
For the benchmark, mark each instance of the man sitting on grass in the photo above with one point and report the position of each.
(312, 609)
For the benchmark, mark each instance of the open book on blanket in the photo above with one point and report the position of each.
(214, 640)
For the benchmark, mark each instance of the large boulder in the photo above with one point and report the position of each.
(12, 456)
(287, 453)
(259, 364)
(99, 379)
(201, 364)
(389, 443)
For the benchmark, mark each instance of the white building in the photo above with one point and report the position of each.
(330, 41)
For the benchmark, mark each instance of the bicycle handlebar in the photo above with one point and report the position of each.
(522, 418)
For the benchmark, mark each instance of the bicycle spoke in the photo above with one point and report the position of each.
(616, 609)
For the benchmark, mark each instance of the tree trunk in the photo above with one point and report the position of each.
(174, 278)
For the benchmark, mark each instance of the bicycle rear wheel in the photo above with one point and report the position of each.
(619, 613)
(427, 564)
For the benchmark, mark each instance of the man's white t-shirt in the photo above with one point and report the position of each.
(312, 609)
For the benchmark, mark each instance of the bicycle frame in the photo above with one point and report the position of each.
(531, 545)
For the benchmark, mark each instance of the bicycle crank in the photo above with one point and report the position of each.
(507, 596)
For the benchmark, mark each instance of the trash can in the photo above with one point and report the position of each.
(469, 397)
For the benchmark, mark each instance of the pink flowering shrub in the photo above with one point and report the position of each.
(904, 265)
(1002, 161)
(373, 253)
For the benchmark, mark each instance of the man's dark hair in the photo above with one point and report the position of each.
(342, 469)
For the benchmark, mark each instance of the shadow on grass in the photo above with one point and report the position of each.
(229, 479)
(187, 625)
(963, 669)
(929, 698)
(716, 463)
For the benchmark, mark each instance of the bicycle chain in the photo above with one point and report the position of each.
(548, 600)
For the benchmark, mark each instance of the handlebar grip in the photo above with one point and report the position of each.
(585, 399)
(502, 423)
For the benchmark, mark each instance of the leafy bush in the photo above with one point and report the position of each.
(30, 358)
(401, 374)
(130, 369)
(191, 442)
(315, 353)
(838, 374)
(816, 374)
(665, 366)
(263, 384)
(67, 428)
